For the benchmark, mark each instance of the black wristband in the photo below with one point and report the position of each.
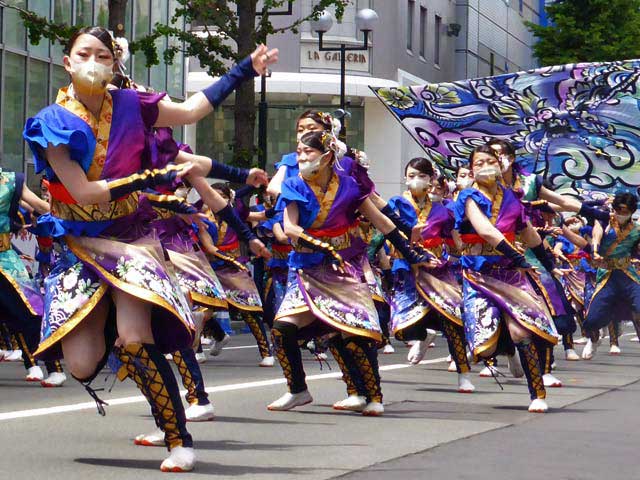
(402, 245)
(517, 259)
(230, 216)
(543, 257)
(403, 226)
(590, 212)
(122, 187)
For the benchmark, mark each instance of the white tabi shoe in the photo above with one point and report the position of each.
(590, 350)
(13, 356)
(267, 362)
(3, 353)
(373, 409)
(34, 374)
(571, 355)
(56, 379)
(551, 381)
(486, 372)
(201, 357)
(181, 459)
(205, 341)
(581, 341)
(464, 383)
(614, 350)
(153, 439)
(538, 406)
(199, 413)
(515, 367)
(353, 403)
(388, 349)
(417, 352)
(452, 367)
(634, 339)
(290, 400)
(217, 346)
(322, 356)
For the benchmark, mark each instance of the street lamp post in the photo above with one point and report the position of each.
(366, 20)
(263, 106)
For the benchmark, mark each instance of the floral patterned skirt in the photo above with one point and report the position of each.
(341, 301)
(239, 288)
(87, 268)
(495, 292)
(197, 279)
(440, 288)
(407, 305)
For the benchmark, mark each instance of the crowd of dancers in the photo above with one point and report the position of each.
(131, 275)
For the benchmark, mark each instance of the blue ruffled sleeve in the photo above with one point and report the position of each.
(459, 208)
(295, 190)
(56, 126)
(567, 246)
(404, 209)
(289, 160)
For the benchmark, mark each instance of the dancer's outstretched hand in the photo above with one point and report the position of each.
(262, 57)
(258, 249)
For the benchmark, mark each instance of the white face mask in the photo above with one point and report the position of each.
(434, 197)
(309, 170)
(463, 183)
(623, 218)
(90, 77)
(490, 173)
(418, 186)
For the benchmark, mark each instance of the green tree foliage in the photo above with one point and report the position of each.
(588, 31)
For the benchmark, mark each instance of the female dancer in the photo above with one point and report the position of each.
(90, 144)
(500, 304)
(320, 213)
(428, 298)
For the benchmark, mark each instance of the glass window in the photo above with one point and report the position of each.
(175, 72)
(84, 12)
(159, 72)
(14, 32)
(423, 32)
(42, 8)
(59, 78)
(141, 13)
(62, 11)
(38, 96)
(436, 40)
(102, 13)
(13, 111)
(411, 5)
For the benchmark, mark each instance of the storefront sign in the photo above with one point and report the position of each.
(311, 57)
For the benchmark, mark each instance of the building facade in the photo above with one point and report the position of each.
(30, 75)
(415, 42)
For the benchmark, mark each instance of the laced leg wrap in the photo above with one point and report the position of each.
(285, 344)
(350, 373)
(257, 330)
(531, 366)
(151, 372)
(614, 333)
(27, 358)
(54, 366)
(567, 341)
(365, 356)
(455, 341)
(191, 375)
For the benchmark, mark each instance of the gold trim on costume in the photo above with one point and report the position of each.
(18, 290)
(5, 242)
(134, 290)
(74, 320)
(325, 199)
(209, 301)
(97, 212)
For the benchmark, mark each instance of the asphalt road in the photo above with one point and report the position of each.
(428, 431)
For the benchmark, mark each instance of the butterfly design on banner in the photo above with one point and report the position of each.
(578, 125)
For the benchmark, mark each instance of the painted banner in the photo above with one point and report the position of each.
(577, 124)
